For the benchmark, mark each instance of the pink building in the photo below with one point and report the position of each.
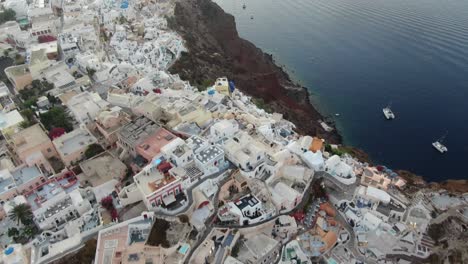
(151, 146)
(126, 242)
(19, 181)
(33, 146)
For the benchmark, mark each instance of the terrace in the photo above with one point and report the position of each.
(73, 141)
(50, 189)
(6, 183)
(152, 180)
(58, 207)
(209, 154)
(26, 174)
(43, 194)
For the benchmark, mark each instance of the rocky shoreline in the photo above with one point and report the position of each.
(215, 49)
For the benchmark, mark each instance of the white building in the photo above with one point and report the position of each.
(210, 160)
(68, 46)
(59, 76)
(246, 153)
(314, 160)
(60, 209)
(9, 122)
(339, 170)
(86, 106)
(223, 129)
(245, 211)
(178, 152)
(285, 197)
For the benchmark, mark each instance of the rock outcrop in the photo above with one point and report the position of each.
(215, 49)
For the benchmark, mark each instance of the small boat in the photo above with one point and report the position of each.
(439, 144)
(388, 113)
(337, 114)
(243, 7)
(251, 17)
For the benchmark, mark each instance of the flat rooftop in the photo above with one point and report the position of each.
(73, 141)
(152, 181)
(30, 137)
(10, 119)
(6, 181)
(209, 154)
(48, 191)
(138, 130)
(38, 56)
(151, 146)
(54, 209)
(196, 142)
(188, 128)
(122, 238)
(16, 71)
(246, 201)
(102, 169)
(26, 174)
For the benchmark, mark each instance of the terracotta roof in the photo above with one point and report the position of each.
(316, 145)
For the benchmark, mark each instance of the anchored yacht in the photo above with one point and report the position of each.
(388, 113)
(439, 144)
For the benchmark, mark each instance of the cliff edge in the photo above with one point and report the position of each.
(215, 50)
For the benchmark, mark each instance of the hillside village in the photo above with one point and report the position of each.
(101, 143)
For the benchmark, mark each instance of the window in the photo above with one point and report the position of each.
(42, 180)
(30, 187)
(49, 150)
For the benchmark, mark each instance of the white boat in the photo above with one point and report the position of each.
(388, 113)
(439, 145)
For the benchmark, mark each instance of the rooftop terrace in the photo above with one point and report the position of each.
(138, 130)
(152, 144)
(152, 180)
(6, 181)
(209, 154)
(73, 141)
(26, 174)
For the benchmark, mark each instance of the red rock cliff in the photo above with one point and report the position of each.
(215, 50)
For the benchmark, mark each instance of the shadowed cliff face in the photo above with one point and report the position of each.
(215, 50)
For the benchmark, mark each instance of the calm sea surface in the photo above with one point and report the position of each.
(356, 56)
